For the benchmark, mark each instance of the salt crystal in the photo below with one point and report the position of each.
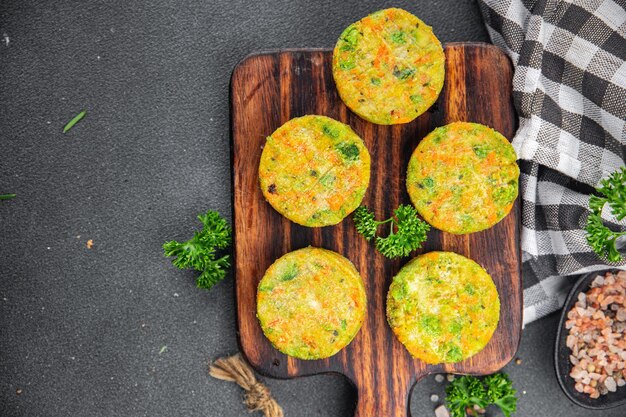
(610, 384)
(570, 341)
(442, 411)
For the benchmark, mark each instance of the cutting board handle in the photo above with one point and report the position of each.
(384, 396)
(377, 407)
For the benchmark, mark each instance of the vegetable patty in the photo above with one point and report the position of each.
(388, 67)
(311, 303)
(463, 178)
(314, 170)
(443, 307)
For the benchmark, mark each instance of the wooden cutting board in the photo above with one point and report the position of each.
(267, 90)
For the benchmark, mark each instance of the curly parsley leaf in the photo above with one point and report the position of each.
(365, 222)
(407, 231)
(614, 190)
(501, 393)
(601, 238)
(200, 252)
(463, 393)
(468, 391)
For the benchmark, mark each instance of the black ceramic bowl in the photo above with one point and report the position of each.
(562, 352)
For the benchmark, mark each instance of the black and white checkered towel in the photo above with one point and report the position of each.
(569, 90)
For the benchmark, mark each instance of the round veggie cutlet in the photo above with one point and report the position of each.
(388, 67)
(311, 303)
(463, 178)
(443, 307)
(314, 170)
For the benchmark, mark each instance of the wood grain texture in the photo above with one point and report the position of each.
(267, 90)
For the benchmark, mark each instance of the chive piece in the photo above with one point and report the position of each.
(75, 120)
(7, 196)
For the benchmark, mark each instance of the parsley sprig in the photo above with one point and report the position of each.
(468, 391)
(602, 239)
(200, 252)
(407, 231)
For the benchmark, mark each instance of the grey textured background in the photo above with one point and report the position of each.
(81, 330)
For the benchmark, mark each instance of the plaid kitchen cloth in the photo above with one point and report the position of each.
(569, 90)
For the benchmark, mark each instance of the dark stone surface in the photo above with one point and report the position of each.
(82, 330)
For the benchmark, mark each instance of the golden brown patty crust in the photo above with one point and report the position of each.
(314, 170)
(463, 178)
(311, 303)
(443, 307)
(389, 67)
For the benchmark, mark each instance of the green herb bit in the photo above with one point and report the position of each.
(327, 180)
(428, 182)
(481, 151)
(407, 231)
(199, 252)
(350, 37)
(469, 391)
(333, 132)
(403, 74)
(501, 393)
(614, 190)
(290, 273)
(417, 99)
(465, 392)
(347, 65)
(365, 222)
(398, 37)
(602, 239)
(348, 151)
(75, 120)
(7, 196)
(431, 324)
